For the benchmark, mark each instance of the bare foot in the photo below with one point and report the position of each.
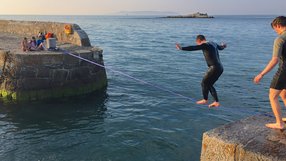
(202, 102)
(275, 126)
(214, 104)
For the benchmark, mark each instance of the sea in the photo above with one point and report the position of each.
(137, 121)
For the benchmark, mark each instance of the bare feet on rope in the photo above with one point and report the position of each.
(214, 104)
(202, 102)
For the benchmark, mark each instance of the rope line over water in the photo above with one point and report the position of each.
(232, 110)
(131, 77)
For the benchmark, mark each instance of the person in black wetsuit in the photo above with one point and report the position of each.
(210, 50)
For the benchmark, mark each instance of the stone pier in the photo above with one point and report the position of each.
(38, 75)
(245, 140)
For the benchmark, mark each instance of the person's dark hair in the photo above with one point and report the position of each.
(281, 20)
(201, 37)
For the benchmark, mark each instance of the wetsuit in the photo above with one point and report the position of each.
(279, 50)
(210, 50)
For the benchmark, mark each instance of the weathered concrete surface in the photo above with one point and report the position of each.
(245, 140)
(32, 28)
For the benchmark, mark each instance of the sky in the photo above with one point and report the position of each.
(103, 7)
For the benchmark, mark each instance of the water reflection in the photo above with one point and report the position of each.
(27, 127)
(66, 112)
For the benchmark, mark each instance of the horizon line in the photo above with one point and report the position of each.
(130, 15)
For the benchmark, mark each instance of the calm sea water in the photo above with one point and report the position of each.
(135, 122)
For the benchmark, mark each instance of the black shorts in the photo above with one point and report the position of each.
(279, 80)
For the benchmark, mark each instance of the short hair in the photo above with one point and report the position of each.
(201, 37)
(281, 20)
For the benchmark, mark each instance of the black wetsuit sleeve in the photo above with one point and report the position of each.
(194, 48)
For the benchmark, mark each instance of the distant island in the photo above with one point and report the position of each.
(195, 15)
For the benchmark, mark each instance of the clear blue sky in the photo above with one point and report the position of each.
(78, 7)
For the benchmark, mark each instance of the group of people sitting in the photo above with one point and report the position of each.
(33, 44)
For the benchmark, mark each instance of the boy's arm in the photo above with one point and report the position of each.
(272, 63)
(192, 48)
(277, 51)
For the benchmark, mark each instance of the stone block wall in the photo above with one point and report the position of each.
(26, 77)
(32, 28)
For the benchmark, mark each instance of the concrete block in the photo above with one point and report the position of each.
(245, 140)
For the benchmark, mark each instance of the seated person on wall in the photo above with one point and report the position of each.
(33, 44)
(49, 35)
(40, 43)
(25, 45)
(40, 34)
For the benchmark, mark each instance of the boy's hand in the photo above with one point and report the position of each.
(224, 45)
(258, 78)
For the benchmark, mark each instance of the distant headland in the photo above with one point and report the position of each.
(195, 15)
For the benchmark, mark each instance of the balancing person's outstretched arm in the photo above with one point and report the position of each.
(191, 48)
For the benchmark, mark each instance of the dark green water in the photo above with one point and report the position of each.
(131, 121)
